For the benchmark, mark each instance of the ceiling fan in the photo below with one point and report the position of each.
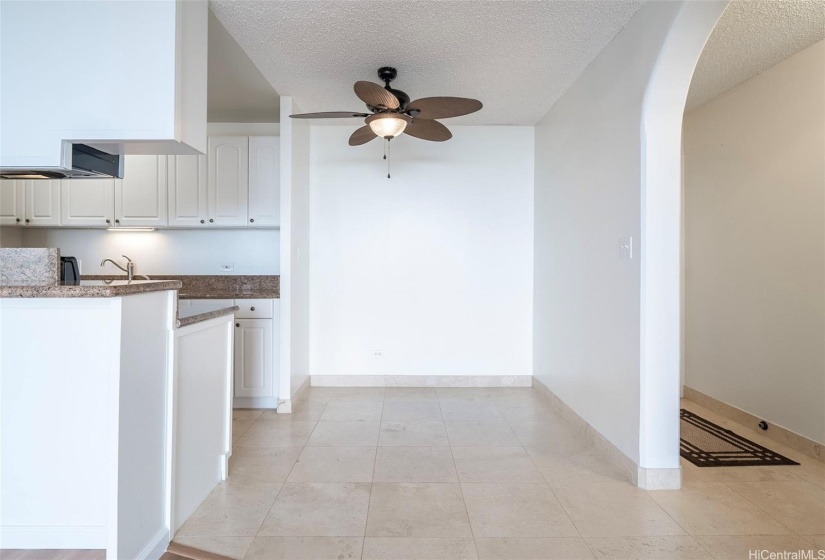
(392, 113)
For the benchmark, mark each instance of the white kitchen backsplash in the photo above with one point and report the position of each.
(166, 252)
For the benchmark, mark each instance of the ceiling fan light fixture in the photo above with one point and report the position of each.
(388, 125)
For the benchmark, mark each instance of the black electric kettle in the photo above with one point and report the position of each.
(69, 271)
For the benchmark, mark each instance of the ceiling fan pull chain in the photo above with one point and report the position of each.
(389, 157)
(385, 149)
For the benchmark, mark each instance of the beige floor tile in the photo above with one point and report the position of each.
(755, 474)
(417, 510)
(464, 393)
(691, 472)
(231, 547)
(426, 434)
(83, 555)
(358, 394)
(797, 505)
(711, 508)
(414, 464)
(516, 394)
(318, 510)
(495, 464)
(614, 509)
(305, 548)
(239, 428)
(352, 411)
(347, 434)
(724, 547)
(315, 394)
(410, 393)
(302, 412)
(816, 540)
(405, 548)
(548, 434)
(263, 464)
(233, 509)
(510, 548)
(494, 433)
(811, 471)
(531, 411)
(334, 464)
(648, 548)
(276, 434)
(470, 410)
(581, 464)
(515, 510)
(411, 411)
(249, 414)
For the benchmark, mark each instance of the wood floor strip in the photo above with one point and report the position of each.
(176, 551)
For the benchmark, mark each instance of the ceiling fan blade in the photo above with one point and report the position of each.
(330, 115)
(443, 107)
(428, 130)
(375, 96)
(362, 136)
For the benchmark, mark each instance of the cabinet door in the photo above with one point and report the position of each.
(264, 181)
(187, 191)
(11, 203)
(43, 202)
(140, 197)
(228, 180)
(87, 202)
(253, 358)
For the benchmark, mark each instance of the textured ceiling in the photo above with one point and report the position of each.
(752, 36)
(518, 58)
(236, 90)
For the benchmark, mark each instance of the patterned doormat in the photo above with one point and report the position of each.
(705, 444)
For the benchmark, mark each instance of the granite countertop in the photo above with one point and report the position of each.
(198, 313)
(90, 289)
(217, 294)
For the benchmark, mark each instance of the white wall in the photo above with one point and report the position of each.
(295, 252)
(166, 251)
(11, 237)
(434, 266)
(755, 210)
(594, 183)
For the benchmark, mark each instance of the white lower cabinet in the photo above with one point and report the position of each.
(253, 358)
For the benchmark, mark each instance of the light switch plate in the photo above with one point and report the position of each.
(626, 248)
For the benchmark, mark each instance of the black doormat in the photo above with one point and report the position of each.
(705, 444)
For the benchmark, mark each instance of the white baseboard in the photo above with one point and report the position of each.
(52, 537)
(421, 380)
(649, 479)
(156, 547)
(254, 402)
(786, 437)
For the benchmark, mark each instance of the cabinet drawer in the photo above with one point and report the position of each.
(254, 308)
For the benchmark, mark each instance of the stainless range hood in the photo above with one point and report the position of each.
(83, 162)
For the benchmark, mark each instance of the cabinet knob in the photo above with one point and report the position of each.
(203, 221)
(252, 309)
(18, 220)
(117, 221)
(27, 220)
(108, 221)
(251, 219)
(237, 324)
(211, 220)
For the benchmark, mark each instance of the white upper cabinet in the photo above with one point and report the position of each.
(228, 180)
(264, 181)
(187, 191)
(131, 74)
(12, 203)
(43, 203)
(140, 197)
(87, 202)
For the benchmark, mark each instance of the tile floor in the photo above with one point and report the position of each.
(480, 473)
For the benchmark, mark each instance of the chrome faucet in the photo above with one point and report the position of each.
(130, 266)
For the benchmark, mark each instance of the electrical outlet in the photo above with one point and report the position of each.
(377, 353)
(626, 248)
(227, 267)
